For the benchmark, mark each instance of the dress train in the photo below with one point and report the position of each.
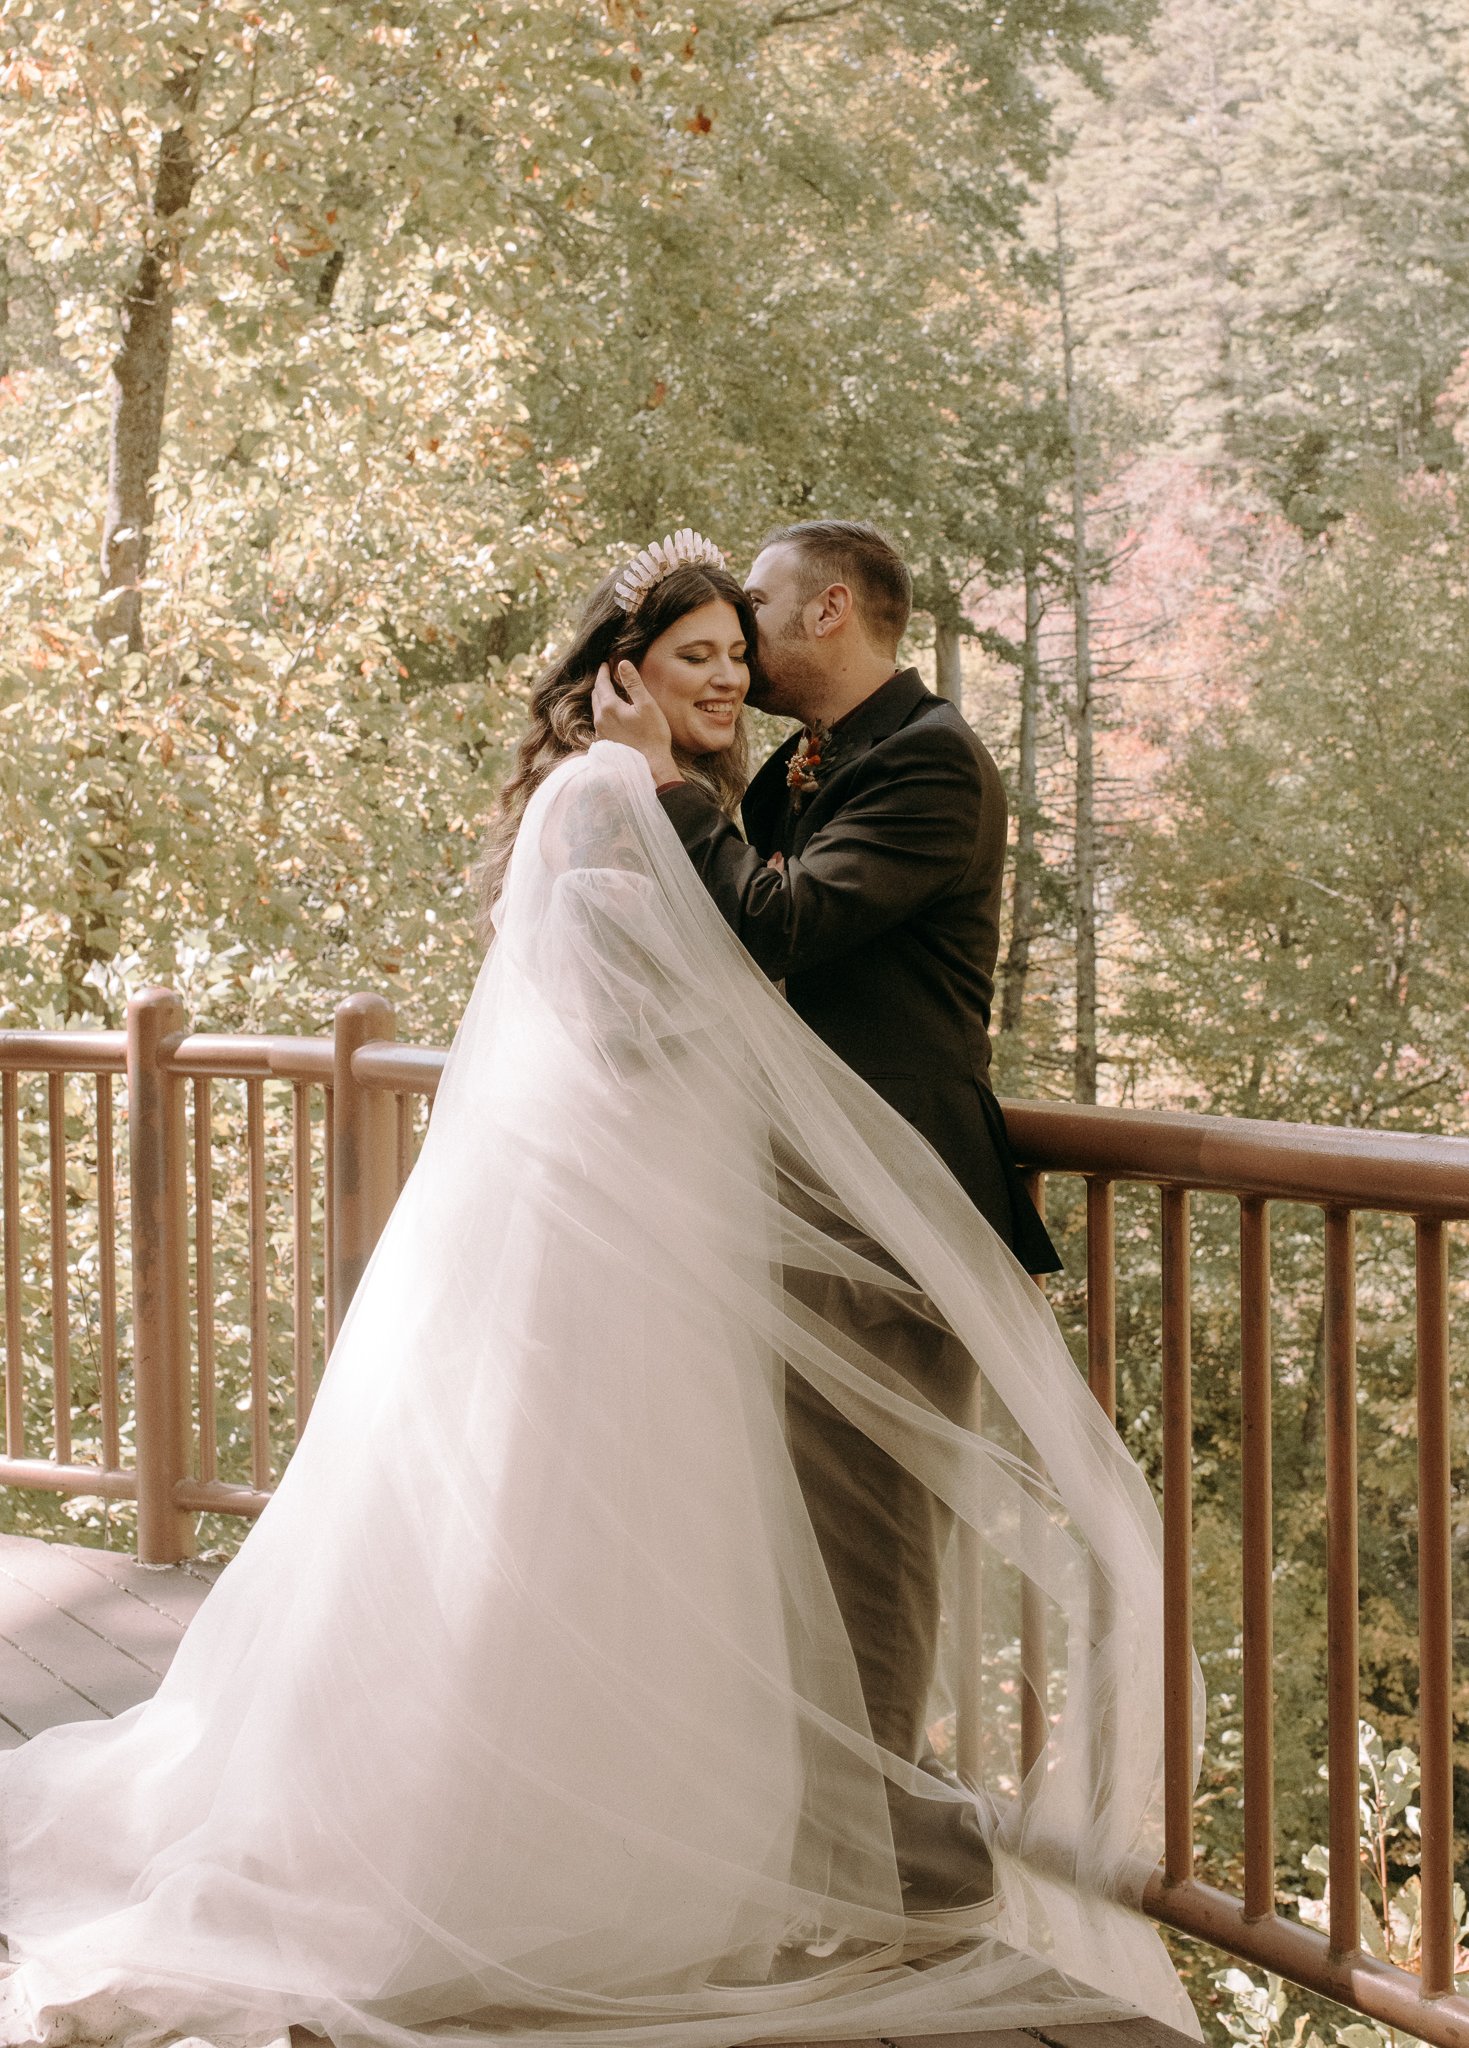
(526, 1707)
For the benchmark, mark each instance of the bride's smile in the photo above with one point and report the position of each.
(698, 673)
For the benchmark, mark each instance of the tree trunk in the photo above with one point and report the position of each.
(139, 381)
(331, 272)
(101, 873)
(1084, 886)
(948, 645)
(138, 384)
(4, 314)
(1026, 869)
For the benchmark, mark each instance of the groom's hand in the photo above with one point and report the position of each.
(634, 720)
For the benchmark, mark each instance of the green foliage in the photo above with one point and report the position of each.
(1260, 2015)
(1303, 900)
(1268, 249)
(463, 301)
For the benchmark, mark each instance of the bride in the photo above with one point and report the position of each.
(527, 1708)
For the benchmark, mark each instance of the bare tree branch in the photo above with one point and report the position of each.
(794, 17)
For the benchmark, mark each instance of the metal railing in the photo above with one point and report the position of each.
(357, 1092)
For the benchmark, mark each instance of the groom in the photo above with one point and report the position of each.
(870, 882)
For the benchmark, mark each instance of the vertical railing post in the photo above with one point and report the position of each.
(1435, 1614)
(15, 1406)
(1034, 1670)
(364, 1152)
(968, 1697)
(1343, 1828)
(1101, 1294)
(160, 1258)
(1258, 1555)
(1101, 1374)
(1178, 1540)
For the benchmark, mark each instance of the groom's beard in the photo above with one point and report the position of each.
(789, 676)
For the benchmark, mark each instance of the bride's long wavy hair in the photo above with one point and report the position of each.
(561, 705)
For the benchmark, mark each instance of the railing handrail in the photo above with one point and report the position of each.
(220, 1055)
(243, 1056)
(1416, 1173)
(1422, 1174)
(1402, 1170)
(63, 1052)
(399, 1069)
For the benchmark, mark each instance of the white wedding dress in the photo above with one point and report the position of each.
(526, 1708)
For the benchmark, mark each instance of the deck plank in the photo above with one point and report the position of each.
(1140, 2033)
(143, 1609)
(33, 1697)
(174, 1589)
(82, 1643)
(97, 1669)
(1136, 2033)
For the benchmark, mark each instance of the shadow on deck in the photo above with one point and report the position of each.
(85, 1634)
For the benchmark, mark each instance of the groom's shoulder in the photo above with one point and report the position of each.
(936, 729)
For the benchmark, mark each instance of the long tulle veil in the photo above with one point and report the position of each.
(526, 1707)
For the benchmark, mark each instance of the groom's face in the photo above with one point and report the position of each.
(790, 655)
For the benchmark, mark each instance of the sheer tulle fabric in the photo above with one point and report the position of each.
(526, 1707)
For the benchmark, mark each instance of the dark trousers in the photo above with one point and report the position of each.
(882, 1537)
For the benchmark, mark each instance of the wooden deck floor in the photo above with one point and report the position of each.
(85, 1634)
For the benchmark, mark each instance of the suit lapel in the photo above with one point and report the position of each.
(765, 800)
(766, 811)
(890, 706)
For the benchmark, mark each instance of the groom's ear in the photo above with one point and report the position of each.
(835, 609)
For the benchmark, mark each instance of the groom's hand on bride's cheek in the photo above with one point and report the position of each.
(628, 713)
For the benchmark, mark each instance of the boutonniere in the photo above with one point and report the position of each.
(801, 769)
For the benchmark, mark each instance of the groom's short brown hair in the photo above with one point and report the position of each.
(853, 552)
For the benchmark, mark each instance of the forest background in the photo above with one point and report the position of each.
(343, 346)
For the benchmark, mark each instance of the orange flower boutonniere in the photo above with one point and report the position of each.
(801, 769)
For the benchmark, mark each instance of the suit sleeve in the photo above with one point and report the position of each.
(905, 835)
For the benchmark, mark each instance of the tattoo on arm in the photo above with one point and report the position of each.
(596, 834)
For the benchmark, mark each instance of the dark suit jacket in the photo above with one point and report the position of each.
(884, 925)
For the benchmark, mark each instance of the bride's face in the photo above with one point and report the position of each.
(698, 672)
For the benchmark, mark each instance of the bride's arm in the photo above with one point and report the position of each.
(593, 926)
(906, 834)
